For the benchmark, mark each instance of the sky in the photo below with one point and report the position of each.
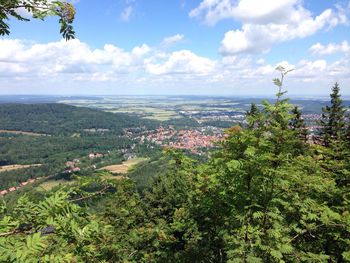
(187, 47)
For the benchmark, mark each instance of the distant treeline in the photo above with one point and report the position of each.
(61, 119)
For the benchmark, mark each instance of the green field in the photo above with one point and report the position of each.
(50, 184)
(124, 167)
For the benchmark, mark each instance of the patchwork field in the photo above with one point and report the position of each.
(124, 167)
(7, 168)
(148, 112)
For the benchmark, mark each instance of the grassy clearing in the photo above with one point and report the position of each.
(7, 168)
(48, 185)
(23, 133)
(124, 167)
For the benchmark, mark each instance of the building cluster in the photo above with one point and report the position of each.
(12, 189)
(183, 139)
(192, 140)
(72, 166)
(95, 155)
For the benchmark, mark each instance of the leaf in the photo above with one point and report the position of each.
(276, 254)
(250, 151)
(277, 82)
(234, 165)
(35, 243)
(258, 214)
(346, 255)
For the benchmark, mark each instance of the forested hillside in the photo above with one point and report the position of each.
(61, 119)
(54, 134)
(266, 195)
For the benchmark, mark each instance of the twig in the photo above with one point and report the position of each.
(90, 196)
(132, 253)
(9, 233)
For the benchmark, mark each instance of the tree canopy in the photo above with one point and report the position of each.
(38, 9)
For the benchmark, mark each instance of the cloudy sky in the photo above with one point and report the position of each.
(201, 47)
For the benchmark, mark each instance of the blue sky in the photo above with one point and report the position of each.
(204, 47)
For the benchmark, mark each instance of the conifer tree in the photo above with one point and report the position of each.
(333, 118)
(252, 115)
(254, 110)
(297, 124)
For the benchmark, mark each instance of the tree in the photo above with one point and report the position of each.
(333, 118)
(39, 9)
(297, 124)
(253, 111)
(335, 136)
(347, 135)
(252, 116)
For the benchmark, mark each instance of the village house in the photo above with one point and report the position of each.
(76, 169)
(4, 192)
(70, 164)
(24, 183)
(95, 155)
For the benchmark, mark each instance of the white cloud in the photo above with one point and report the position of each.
(181, 62)
(168, 41)
(76, 57)
(76, 64)
(266, 23)
(259, 38)
(247, 11)
(330, 49)
(141, 50)
(127, 13)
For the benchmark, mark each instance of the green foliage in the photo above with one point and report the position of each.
(297, 123)
(61, 119)
(265, 195)
(38, 9)
(55, 229)
(65, 133)
(145, 173)
(333, 118)
(253, 116)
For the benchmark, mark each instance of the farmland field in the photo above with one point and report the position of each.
(148, 112)
(124, 167)
(7, 168)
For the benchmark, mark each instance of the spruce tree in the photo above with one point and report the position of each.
(333, 118)
(252, 116)
(297, 124)
(253, 111)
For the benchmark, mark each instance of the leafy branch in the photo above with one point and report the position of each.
(38, 9)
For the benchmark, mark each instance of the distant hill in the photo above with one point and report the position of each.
(62, 119)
